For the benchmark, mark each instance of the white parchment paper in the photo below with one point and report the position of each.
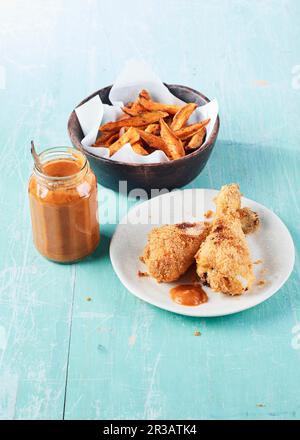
(134, 77)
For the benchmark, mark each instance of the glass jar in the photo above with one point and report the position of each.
(64, 206)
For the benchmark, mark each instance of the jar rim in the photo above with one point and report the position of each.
(65, 152)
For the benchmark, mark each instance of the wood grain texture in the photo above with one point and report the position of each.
(115, 356)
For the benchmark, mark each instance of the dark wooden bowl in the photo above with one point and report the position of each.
(169, 175)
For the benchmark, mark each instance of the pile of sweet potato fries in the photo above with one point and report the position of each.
(148, 125)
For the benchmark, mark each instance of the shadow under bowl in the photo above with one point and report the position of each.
(169, 175)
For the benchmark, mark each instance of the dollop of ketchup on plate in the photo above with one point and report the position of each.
(188, 295)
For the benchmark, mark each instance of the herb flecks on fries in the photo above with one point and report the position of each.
(148, 125)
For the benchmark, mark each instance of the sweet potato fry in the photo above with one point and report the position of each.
(196, 140)
(136, 106)
(158, 106)
(131, 136)
(131, 111)
(144, 94)
(175, 147)
(153, 128)
(153, 141)
(123, 129)
(112, 139)
(182, 116)
(139, 149)
(190, 130)
(134, 121)
(103, 138)
(122, 117)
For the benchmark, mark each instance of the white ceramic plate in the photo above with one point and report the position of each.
(272, 244)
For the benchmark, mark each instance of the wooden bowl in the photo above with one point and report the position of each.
(169, 175)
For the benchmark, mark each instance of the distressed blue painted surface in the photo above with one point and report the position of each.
(116, 357)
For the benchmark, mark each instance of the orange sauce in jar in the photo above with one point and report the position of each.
(64, 206)
(188, 295)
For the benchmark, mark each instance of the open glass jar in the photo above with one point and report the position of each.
(64, 206)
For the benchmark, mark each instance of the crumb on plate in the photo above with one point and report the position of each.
(208, 214)
(261, 283)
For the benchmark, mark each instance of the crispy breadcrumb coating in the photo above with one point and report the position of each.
(171, 249)
(223, 260)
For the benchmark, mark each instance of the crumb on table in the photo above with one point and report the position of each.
(88, 298)
(261, 83)
(197, 333)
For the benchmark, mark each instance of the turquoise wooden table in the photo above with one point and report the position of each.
(62, 356)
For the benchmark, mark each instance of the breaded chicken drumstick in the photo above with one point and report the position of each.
(223, 260)
(171, 249)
